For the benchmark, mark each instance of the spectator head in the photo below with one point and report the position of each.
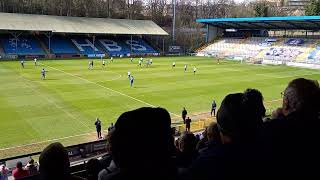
(93, 167)
(254, 101)
(136, 145)
(31, 162)
(237, 120)
(173, 130)
(108, 137)
(213, 132)
(187, 143)
(301, 96)
(197, 137)
(54, 162)
(19, 165)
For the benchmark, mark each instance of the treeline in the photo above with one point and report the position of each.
(160, 11)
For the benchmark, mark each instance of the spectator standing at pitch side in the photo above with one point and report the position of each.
(98, 128)
(213, 108)
(184, 115)
(188, 124)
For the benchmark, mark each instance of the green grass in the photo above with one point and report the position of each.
(71, 97)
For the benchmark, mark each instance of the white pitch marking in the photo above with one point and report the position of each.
(56, 139)
(55, 104)
(107, 88)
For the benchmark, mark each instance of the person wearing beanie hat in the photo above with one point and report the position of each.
(238, 125)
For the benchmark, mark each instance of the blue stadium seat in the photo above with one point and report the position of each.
(114, 46)
(295, 42)
(313, 54)
(61, 45)
(26, 45)
(139, 46)
(122, 45)
(85, 45)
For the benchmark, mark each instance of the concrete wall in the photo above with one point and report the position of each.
(213, 32)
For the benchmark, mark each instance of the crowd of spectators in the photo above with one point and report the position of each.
(240, 145)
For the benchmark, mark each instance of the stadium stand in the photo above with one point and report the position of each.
(113, 46)
(24, 45)
(139, 46)
(287, 50)
(85, 45)
(66, 37)
(248, 39)
(60, 45)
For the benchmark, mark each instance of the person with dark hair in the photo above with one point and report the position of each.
(188, 124)
(213, 132)
(111, 127)
(213, 108)
(184, 115)
(19, 172)
(54, 163)
(31, 167)
(254, 101)
(4, 172)
(98, 128)
(212, 137)
(187, 150)
(238, 126)
(108, 164)
(202, 143)
(142, 152)
(290, 140)
(93, 167)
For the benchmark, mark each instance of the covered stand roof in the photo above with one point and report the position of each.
(267, 23)
(64, 24)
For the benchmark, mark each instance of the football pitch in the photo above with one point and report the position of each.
(63, 107)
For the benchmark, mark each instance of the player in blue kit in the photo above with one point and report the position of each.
(131, 81)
